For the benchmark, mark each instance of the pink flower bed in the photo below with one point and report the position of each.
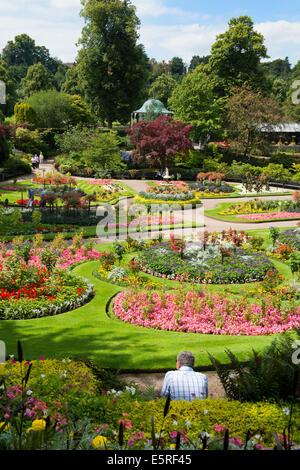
(100, 182)
(150, 221)
(270, 216)
(68, 259)
(208, 314)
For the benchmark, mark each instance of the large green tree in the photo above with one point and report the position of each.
(37, 79)
(21, 53)
(112, 65)
(163, 88)
(236, 55)
(11, 89)
(249, 113)
(195, 103)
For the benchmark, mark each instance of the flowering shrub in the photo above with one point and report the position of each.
(47, 403)
(290, 237)
(192, 312)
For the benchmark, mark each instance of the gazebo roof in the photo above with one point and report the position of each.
(157, 105)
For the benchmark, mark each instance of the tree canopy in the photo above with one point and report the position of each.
(163, 88)
(37, 79)
(236, 55)
(248, 112)
(160, 141)
(194, 102)
(112, 65)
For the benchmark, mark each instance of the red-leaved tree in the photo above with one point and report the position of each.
(159, 142)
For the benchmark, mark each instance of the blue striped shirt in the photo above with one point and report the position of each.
(185, 384)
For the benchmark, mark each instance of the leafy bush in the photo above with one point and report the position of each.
(271, 375)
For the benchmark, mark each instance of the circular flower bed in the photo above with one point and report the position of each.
(31, 286)
(211, 188)
(217, 264)
(193, 312)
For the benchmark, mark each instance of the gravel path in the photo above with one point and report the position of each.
(155, 380)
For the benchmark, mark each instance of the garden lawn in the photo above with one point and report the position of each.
(114, 344)
(215, 214)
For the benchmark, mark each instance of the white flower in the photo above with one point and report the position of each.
(29, 392)
(63, 360)
(175, 423)
(231, 376)
(205, 412)
(63, 374)
(43, 376)
(286, 411)
(11, 356)
(188, 423)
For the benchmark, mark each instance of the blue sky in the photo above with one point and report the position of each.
(168, 27)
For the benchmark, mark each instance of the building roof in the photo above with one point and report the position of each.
(157, 105)
(281, 128)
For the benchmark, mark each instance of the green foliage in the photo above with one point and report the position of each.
(29, 141)
(103, 152)
(235, 57)
(11, 88)
(269, 375)
(57, 109)
(112, 66)
(194, 102)
(24, 113)
(162, 88)
(37, 79)
(248, 110)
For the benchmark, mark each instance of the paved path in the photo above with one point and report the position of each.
(155, 380)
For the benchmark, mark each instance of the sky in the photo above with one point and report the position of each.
(168, 27)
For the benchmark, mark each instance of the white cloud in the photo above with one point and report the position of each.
(57, 25)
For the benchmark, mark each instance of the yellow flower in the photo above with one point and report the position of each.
(99, 442)
(173, 446)
(6, 427)
(37, 425)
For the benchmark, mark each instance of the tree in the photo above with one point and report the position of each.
(197, 60)
(112, 66)
(58, 110)
(11, 89)
(103, 152)
(280, 89)
(235, 57)
(21, 53)
(248, 112)
(37, 79)
(160, 141)
(72, 85)
(194, 102)
(176, 67)
(279, 68)
(74, 139)
(163, 88)
(24, 113)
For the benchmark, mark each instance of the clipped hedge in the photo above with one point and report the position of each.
(204, 414)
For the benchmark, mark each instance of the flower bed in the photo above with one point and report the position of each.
(217, 264)
(290, 237)
(28, 291)
(34, 282)
(62, 391)
(192, 312)
(270, 216)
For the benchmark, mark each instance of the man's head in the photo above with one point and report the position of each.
(185, 358)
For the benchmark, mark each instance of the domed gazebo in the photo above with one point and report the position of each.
(156, 105)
